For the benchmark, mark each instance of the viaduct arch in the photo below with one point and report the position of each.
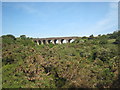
(55, 40)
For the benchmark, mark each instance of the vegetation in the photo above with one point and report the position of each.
(88, 62)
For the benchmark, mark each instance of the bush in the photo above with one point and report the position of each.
(84, 65)
(114, 35)
(91, 37)
(51, 45)
(8, 39)
(117, 41)
(9, 36)
(25, 42)
(103, 41)
(23, 37)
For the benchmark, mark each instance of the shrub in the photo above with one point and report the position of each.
(114, 35)
(103, 42)
(91, 37)
(117, 41)
(51, 45)
(84, 65)
(23, 37)
(9, 36)
(8, 39)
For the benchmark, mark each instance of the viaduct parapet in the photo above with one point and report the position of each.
(54, 40)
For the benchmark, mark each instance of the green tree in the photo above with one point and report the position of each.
(23, 36)
(91, 37)
(8, 39)
(114, 35)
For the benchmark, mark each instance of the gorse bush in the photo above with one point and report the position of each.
(25, 42)
(51, 45)
(117, 41)
(103, 39)
(23, 37)
(85, 63)
(8, 39)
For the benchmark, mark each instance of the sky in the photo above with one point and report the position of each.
(59, 19)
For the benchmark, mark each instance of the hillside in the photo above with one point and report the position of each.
(88, 62)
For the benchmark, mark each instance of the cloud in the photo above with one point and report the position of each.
(108, 23)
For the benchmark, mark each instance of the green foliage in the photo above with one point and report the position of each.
(105, 78)
(117, 41)
(51, 45)
(80, 40)
(23, 36)
(114, 35)
(25, 42)
(85, 63)
(9, 36)
(103, 39)
(91, 37)
(8, 39)
(84, 37)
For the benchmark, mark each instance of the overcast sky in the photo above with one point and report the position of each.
(59, 19)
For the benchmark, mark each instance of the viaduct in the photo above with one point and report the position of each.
(54, 40)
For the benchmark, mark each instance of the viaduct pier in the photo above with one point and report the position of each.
(54, 40)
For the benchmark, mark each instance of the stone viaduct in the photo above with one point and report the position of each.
(54, 40)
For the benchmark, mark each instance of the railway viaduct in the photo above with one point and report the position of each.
(54, 40)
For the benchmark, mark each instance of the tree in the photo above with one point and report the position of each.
(9, 36)
(99, 35)
(91, 37)
(114, 35)
(23, 36)
(8, 39)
